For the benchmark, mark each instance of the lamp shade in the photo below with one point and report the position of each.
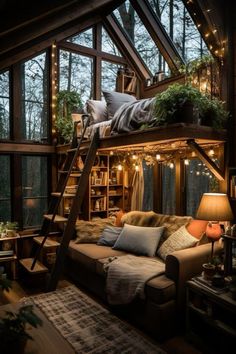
(214, 207)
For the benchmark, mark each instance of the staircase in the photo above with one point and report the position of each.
(33, 265)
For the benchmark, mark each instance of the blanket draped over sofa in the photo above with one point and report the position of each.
(127, 277)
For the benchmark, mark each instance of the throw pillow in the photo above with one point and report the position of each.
(179, 240)
(139, 239)
(109, 236)
(197, 228)
(97, 110)
(115, 100)
(141, 218)
(90, 231)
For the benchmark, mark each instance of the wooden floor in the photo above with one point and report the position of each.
(175, 345)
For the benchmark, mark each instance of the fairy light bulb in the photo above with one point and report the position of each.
(119, 167)
(171, 165)
(134, 157)
(158, 156)
(186, 162)
(136, 167)
(111, 153)
(211, 152)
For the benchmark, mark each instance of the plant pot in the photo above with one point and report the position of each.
(187, 113)
(208, 271)
(16, 347)
(207, 119)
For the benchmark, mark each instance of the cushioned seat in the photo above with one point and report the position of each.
(89, 253)
(160, 289)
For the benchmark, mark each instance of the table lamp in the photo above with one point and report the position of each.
(214, 207)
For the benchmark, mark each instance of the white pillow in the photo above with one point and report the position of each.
(139, 239)
(97, 109)
(179, 240)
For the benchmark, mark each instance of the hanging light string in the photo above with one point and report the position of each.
(54, 74)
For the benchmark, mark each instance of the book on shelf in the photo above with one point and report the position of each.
(233, 186)
(6, 253)
(200, 280)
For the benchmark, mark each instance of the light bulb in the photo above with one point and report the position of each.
(171, 165)
(111, 153)
(186, 162)
(158, 156)
(136, 168)
(119, 167)
(211, 152)
(134, 157)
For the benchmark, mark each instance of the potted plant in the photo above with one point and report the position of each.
(68, 102)
(185, 103)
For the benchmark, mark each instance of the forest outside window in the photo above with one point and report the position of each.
(84, 38)
(168, 188)
(4, 105)
(76, 74)
(5, 188)
(109, 75)
(108, 46)
(34, 189)
(35, 98)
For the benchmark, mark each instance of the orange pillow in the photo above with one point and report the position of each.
(197, 228)
(119, 215)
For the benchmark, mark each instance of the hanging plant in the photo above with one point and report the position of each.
(68, 102)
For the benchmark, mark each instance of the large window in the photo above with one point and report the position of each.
(84, 38)
(199, 180)
(76, 74)
(137, 32)
(5, 188)
(108, 45)
(35, 96)
(35, 189)
(180, 27)
(4, 105)
(109, 74)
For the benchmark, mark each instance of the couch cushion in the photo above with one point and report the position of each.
(98, 110)
(139, 240)
(179, 240)
(90, 231)
(141, 218)
(89, 253)
(109, 236)
(115, 100)
(160, 289)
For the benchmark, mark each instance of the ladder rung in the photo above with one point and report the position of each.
(75, 174)
(48, 243)
(58, 218)
(63, 172)
(65, 195)
(72, 150)
(38, 268)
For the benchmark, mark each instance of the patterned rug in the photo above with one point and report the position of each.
(89, 327)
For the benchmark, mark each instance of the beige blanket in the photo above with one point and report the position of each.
(127, 276)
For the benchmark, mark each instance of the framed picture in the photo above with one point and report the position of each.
(98, 181)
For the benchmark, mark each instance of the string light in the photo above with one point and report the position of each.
(186, 162)
(158, 156)
(119, 167)
(211, 152)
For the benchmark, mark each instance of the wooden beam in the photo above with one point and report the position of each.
(27, 148)
(158, 34)
(217, 172)
(126, 47)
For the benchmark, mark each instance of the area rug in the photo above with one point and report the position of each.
(89, 327)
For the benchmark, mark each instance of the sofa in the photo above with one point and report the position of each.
(161, 312)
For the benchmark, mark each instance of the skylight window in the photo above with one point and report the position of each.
(138, 34)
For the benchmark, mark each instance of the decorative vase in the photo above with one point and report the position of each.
(209, 270)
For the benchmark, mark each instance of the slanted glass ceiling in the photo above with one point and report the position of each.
(182, 30)
(137, 32)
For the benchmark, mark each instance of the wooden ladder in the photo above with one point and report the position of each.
(33, 265)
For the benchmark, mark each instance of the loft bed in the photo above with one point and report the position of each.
(171, 138)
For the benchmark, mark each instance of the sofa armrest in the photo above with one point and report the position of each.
(184, 264)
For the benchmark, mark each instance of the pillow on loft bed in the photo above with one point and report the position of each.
(115, 100)
(98, 111)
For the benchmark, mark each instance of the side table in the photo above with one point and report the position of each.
(210, 319)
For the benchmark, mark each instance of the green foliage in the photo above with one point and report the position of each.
(68, 102)
(13, 325)
(175, 96)
(192, 67)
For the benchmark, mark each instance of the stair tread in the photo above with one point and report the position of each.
(65, 195)
(38, 268)
(58, 218)
(48, 243)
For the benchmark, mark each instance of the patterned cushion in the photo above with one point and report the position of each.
(90, 231)
(179, 240)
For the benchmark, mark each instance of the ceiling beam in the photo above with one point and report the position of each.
(158, 34)
(126, 47)
(215, 170)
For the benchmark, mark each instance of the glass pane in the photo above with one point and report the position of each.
(34, 189)
(4, 106)
(76, 74)
(168, 189)
(199, 180)
(5, 189)
(148, 187)
(35, 98)
(109, 73)
(141, 39)
(84, 38)
(181, 28)
(108, 45)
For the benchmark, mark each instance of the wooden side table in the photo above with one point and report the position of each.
(46, 339)
(210, 319)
